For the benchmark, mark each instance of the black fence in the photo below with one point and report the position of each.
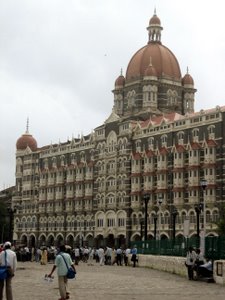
(214, 246)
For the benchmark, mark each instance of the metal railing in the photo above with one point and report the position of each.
(214, 246)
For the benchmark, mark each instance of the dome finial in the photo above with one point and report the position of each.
(27, 126)
(187, 70)
(155, 11)
(121, 71)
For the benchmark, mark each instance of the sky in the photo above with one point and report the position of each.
(59, 61)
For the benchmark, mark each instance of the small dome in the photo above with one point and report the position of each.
(120, 81)
(150, 71)
(187, 80)
(26, 140)
(154, 20)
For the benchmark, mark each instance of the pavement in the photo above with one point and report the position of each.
(111, 283)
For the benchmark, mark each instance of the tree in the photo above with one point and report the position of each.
(4, 222)
(221, 222)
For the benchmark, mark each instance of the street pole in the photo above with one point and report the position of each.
(203, 184)
(159, 203)
(155, 227)
(159, 221)
(198, 209)
(174, 213)
(141, 224)
(146, 198)
(3, 229)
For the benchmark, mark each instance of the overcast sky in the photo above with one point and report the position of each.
(59, 60)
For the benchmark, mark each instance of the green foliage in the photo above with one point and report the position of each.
(221, 222)
(4, 222)
(221, 227)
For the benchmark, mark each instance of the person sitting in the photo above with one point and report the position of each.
(199, 260)
(206, 270)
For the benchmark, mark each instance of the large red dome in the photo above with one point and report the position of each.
(163, 60)
(26, 140)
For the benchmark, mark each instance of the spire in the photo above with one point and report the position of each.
(150, 61)
(27, 126)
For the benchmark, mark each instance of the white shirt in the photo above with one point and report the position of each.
(127, 251)
(100, 252)
(10, 258)
(77, 252)
(86, 251)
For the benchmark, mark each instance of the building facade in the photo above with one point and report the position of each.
(147, 157)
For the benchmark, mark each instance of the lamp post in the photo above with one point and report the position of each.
(203, 184)
(2, 236)
(11, 212)
(141, 224)
(174, 214)
(155, 226)
(198, 209)
(159, 204)
(146, 198)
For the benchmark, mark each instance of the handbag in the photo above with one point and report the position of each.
(71, 272)
(4, 270)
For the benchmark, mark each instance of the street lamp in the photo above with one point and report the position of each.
(155, 226)
(203, 184)
(198, 209)
(11, 212)
(141, 224)
(174, 214)
(146, 198)
(160, 200)
(2, 237)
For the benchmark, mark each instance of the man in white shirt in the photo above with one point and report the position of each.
(77, 255)
(63, 261)
(126, 255)
(8, 257)
(101, 256)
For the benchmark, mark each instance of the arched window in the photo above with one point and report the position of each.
(151, 143)
(195, 134)
(164, 140)
(211, 132)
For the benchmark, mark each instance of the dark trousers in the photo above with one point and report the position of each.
(190, 272)
(119, 259)
(134, 259)
(205, 272)
(126, 260)
(8, 287)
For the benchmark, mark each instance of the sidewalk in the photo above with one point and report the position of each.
(111, 283)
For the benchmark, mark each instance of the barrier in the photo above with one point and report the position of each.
(171, 264)
(219, 271)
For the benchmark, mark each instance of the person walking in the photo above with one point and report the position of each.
(126, 256)
(62, 271)
(119, 256)
(77, 255)
(190, 262)
(134, 255)
(101, 255)
(44, 256)
(8, 257)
